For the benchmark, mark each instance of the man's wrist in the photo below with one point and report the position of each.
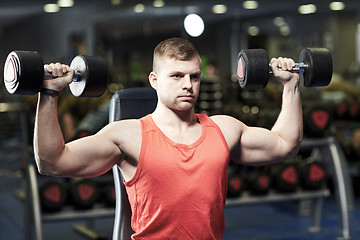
(49, 92)
(292, 82)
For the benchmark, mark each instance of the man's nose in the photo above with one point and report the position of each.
(187, 84)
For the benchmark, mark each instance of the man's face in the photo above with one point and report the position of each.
(177, 82)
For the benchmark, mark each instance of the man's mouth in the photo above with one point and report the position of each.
(186, 97)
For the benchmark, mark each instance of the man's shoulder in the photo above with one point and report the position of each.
(123, 127)
(228, 124)
(125, 124)
(220, 119)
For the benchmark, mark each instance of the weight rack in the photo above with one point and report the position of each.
(334, 158)
(34, 218)
(29, 192)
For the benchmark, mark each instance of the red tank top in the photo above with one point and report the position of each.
(178, 190)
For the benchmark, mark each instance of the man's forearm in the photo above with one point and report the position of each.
(289, 125)
(48, 138)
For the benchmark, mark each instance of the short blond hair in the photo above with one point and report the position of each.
(176, 48)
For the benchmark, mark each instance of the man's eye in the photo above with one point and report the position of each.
(176, 76)
(195, 76)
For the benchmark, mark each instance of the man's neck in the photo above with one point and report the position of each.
(168, 117)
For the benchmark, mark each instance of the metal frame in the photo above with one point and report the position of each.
(330, 150)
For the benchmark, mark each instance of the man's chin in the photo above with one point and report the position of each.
(184, 107)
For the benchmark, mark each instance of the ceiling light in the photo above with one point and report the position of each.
(255, 110)
(158, 3)
(65, 3)
(337, 6)
(139, 8)
(279, 21)
(307, 9)
(115, 2)
(253, 31)
(194, 25)
(219, 9)
(285, 30)
(51, 8)
(250, 4)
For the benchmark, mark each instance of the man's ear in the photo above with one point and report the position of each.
(153, 77)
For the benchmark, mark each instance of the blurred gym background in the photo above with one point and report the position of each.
(124, 33)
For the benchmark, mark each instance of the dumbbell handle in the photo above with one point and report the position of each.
(298, 68)
(76, 77)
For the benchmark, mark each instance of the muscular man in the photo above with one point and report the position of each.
(174, 161)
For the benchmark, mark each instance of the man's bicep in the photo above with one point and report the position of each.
(250, 145)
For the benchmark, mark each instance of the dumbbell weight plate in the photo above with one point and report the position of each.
(23, 72)
(235, 186)
(317, 120)
(52, 196)
(313, 176)
(320, 67)
(92, 76)
(83, 193)
(235, 182)
(286, 177)
(253, 69)
(259, 183)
